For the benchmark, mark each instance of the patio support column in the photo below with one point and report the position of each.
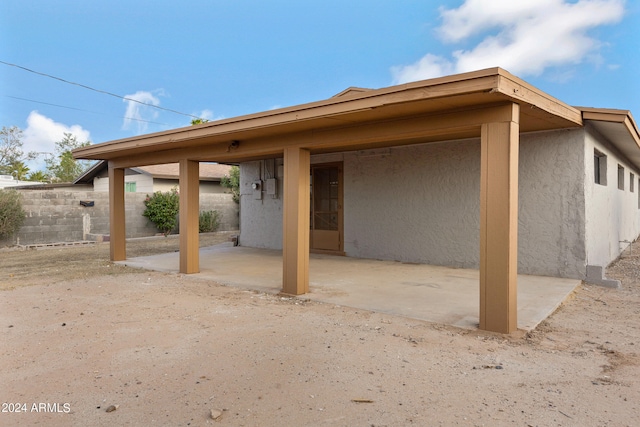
(189, 215)
(117, 229)
(499, 221)
(295, 226)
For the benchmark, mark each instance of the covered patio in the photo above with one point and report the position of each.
(418, 291)
(492, 105)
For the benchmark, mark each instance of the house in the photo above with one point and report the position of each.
(7, 181)
(478, 170)
(152, 178)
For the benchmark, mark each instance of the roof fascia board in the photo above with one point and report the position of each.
(522, 92)
(623, 117)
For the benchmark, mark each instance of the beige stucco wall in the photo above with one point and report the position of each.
(421, 203)
(612, 215)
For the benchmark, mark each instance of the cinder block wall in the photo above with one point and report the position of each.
(58, 216)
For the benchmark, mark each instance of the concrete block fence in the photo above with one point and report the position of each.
(59, 216)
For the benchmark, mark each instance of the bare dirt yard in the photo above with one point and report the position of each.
(89, 343)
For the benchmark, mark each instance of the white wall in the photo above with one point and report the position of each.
(612, 215)
(421, 203)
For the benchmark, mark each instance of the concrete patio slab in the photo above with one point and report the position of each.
(425, 292)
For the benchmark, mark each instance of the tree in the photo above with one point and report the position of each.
(62, 167)
(38, 176)
(232, 182)
(12, 215)
(11, 153)
(19, 170)
(198, 121)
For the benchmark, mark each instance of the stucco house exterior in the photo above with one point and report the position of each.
(476, 170)
(152, 178)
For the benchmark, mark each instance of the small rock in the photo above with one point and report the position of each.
(112, 408)
(215, 414)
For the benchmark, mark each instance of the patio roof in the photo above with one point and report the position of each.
(328, 125)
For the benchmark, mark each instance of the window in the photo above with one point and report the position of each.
(129, 187)
(620, 177)
(632, 181)
(600, 167)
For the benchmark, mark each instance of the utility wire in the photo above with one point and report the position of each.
(98, 90)
(86, 111)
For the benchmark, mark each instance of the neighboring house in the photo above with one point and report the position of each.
(8, 181)
(476, 170)
(149, 179)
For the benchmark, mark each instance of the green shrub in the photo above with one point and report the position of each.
(162, 209)
(232, 182)
(12, 215)
(208, 221)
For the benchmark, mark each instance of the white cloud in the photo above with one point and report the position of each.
(139, 113)
(524, 37)
(42, 133)
(208, 115)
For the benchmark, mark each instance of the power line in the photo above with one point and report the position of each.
(86, 111)
(98, 90)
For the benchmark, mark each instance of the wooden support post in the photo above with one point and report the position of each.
(295, 229)
(189, 216)
(499, 221)
(117, 228)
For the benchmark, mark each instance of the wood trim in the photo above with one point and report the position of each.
(117, 222)
(415, 129)
(499, 225)
(295, 231)
(189, 216)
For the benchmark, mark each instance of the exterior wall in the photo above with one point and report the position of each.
(57, 216)
(551, 217)
(144, 183)
(612, 215)
(421, 203)
(206, 187)
(260, 219)
(416, 203)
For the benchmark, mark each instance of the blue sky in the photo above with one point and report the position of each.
(221, 58)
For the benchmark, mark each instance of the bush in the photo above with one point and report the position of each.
(232, 182)
(208, 221)
(162, 209)
(12, 215)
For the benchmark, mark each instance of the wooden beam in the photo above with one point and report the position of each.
(499, 223)
(117, 229)
(350, 136)
(189, 216)
(295, 235)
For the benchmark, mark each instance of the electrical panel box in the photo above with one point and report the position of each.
(272, 187)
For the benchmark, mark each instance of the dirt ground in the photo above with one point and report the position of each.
(81, 336)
